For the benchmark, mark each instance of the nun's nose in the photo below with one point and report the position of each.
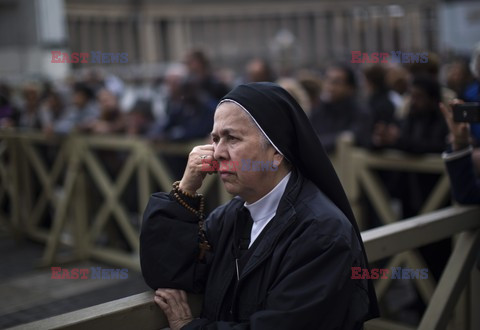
(220, 151)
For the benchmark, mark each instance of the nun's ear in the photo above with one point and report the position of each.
(278, 159)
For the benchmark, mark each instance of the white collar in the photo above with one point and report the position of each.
(266, 207)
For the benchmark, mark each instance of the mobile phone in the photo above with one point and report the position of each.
(467, 112)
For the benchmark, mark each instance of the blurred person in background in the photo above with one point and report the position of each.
(140, 89)
(472, 93)
(201, 78)
(30, 109)
(52, 109)
(397, 80)
(381, 108)
(258, 70)
(459, 162)
(382, 111)
(81, 114)
(431, 69)
(423, 130)
(298, 92)
(312, 85)
(111, 120)
(189, 111)
(462, 158)
(93, 78)
(8, 112)
(339, 109)
(139, 120)
(458, 77)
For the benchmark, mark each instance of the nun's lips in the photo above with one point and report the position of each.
(225, 174)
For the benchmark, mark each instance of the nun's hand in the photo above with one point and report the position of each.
(175, 306)
(200, 163)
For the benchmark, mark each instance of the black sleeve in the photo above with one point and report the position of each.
(313, 289)
(465, 186)
(169, 245)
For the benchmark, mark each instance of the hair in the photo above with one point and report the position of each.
(311, 83)
(201, 57)
(350, 77)
(296, 90)
(84, 89)
(429, 86)
(375, 75)
(397, 78)
(143, 108)
(432, 67)
(269, 74)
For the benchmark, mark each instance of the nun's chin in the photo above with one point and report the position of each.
(230, 187)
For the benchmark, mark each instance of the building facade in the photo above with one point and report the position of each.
(296, 33)
(293, 34)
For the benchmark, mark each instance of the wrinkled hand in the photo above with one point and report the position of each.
(459, 132)
(197, 168)
(175, 306)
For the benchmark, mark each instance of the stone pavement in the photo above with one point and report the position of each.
(28, 293)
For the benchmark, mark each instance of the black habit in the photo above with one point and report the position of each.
(297, 273)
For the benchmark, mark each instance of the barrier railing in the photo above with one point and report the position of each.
(139, 311)
(357, 169)
(39, 174)
(65, 172)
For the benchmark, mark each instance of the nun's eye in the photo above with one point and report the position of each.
(231, 138)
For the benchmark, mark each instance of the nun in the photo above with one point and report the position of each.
(279, 255)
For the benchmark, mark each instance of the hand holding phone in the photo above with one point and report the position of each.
(459, 131)
(466, 112)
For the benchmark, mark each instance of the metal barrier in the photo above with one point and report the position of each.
(61, 169)
(140, 311)
(357, 170)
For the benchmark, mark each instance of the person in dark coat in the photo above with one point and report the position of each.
(340, 110)
(465, 183)
(381, 107)
(280, 254)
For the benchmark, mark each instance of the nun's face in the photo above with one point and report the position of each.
(236, 140)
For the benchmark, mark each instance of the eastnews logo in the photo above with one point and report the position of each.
(397, 273)
(92, 57)
(59, 273)
(392, 57)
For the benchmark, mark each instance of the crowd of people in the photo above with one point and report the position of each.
(381, 105)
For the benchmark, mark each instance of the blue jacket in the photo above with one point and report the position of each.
(465, 184)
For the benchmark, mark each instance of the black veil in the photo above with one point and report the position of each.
(287, 127)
